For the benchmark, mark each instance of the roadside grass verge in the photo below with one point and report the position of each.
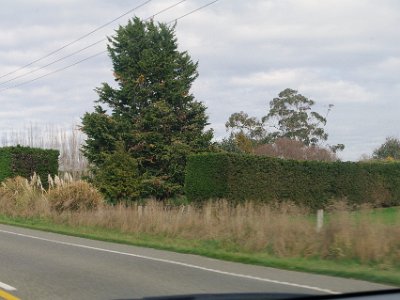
(373, 272)
(361, 243)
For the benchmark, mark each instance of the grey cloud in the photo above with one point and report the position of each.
(343, 52)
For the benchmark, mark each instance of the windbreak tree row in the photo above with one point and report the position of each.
(239, 177)
(24, 161)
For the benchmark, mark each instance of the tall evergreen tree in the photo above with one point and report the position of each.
(152, 110)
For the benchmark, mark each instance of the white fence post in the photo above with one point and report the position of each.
(320, 219)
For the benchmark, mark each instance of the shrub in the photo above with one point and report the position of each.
(292, 149)
(239, 177)
(117, 177)
(74, 196)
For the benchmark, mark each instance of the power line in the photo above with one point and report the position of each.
(76, 40)
(165, 9)
(193, 11)
(104, 51)
(78, 51)
(55, 71)
(51, 63)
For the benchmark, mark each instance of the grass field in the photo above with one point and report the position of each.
(390, 215)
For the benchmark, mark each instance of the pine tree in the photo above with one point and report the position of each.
(151, 110)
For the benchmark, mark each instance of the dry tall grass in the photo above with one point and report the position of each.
(280, 230)
(20, 197)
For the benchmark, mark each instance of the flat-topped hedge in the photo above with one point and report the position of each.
(24, 161)
(239, 177)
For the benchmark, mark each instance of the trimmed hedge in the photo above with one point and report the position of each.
(24, 161)
(240, 177)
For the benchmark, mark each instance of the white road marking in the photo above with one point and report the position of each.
(7, 287)
(176, 263)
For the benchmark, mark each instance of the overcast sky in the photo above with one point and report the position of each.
(340, 52)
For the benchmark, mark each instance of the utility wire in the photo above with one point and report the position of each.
(55, 71)
(76, 52)
(51, 63)
(77, 40)
(104, 51)
(193, 11)
(165, 9)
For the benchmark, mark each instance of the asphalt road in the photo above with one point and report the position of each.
(42, 265)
